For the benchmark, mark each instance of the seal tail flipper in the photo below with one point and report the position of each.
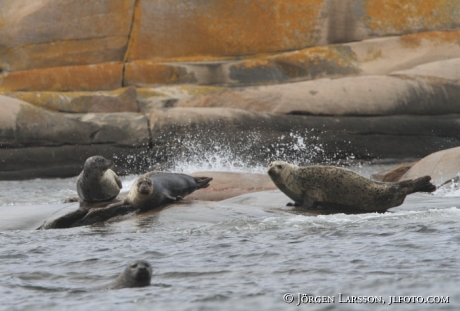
(421, 184)
(202, 182)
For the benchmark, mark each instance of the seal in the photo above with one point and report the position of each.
(138, 273)
(97, 182)
(341, 190)
(149, 191)
(154, 189)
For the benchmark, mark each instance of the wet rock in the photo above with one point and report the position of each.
(228, 184)
(30, 217)
(121, 100)
(394, 174)
(442, 166)
(258, 138)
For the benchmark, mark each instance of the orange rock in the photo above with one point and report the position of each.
(51, 33)
(121, 100)
(385, 17)
(106, 76)
(176, 28)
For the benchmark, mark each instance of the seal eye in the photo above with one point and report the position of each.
(279, 166)
(134, 265)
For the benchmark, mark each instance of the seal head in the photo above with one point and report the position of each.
(97, 182)
(138, 273)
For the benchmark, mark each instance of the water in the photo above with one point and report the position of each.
(233, 256)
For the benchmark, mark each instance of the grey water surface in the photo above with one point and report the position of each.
(244, 253)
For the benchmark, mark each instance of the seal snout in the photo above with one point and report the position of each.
(275, 168)
(141, 270)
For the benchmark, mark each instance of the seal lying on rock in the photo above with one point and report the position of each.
(138, 273)
(149, 191)
(97, 182)
(341, 190)
(154, 189)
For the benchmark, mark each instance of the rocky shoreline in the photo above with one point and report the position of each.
(147, 84)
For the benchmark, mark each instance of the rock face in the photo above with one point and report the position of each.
(366, 95)
(121, 100)
(153, 82)
(442, 166)
(38, 143)
(57, 45)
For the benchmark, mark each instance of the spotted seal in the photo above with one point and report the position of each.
(138, 273)
(97, 182)
(154, 189)
(340, 189)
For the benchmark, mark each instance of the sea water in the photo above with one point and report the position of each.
(236, 257)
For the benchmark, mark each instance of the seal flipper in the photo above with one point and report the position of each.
(118, 181)
(421, 184)
(102, 214)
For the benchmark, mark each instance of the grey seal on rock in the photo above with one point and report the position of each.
(149, 191)
(138, 273)
(97, 182)
(154, 189)
(341, 190)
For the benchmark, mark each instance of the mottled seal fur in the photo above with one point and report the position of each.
(97, 182)
(138, 273)
(154, 189)
(340, 189)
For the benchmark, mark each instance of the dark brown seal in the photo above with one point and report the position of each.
(340, 189)
(97, 182)
(138, 273)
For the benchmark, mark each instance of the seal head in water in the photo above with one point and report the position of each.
(341, 189)
(97, 182)
(138, 273)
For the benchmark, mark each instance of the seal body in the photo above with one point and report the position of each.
(138, 273)
(154, 189)
(341, 189)
(97, 182)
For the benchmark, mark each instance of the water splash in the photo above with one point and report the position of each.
(449, 189)
(240, 152)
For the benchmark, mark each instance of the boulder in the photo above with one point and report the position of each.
(230, 184)
(442, 166)
(121, 100)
